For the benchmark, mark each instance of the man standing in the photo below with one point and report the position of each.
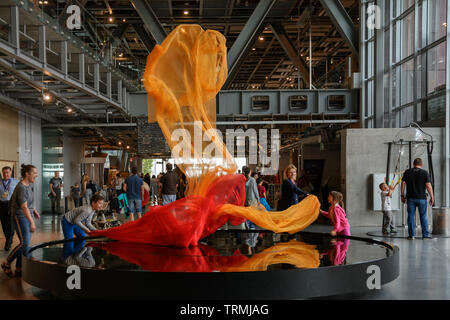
(55, 191)
(416, 181)
(7, 187)
(169, 183)
(134, 187)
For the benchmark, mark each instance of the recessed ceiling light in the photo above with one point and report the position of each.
(185, 12)
(47, 97)
(261, 38)
(110, 19)
(124, 20)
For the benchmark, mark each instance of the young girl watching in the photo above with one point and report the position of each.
(337, 215)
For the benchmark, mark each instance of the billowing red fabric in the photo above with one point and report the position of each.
(169, 259)
(184, 222)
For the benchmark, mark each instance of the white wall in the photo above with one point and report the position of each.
(30, 150)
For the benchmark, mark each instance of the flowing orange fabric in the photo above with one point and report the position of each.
(203, 258)
(182, 77)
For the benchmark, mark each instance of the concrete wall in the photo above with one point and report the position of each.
(9, 135)
(73, 150)
(30, 150)
(366, 153)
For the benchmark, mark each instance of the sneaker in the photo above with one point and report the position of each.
(394, 231)
(410, 238)
(427, 238)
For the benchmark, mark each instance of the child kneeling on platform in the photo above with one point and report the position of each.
(78, 221)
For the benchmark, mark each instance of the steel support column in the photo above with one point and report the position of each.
(119, 92)
(64, 65)
(14, 37)
(150, 19)
(81, 69)
(447, 118)
(290, 50)
(108, 85)
(343, 23)
(97, 77)
(246, 38)
(378, 103)
(143, 35)
(42, 44)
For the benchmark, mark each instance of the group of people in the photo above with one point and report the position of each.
(17, 203)
(255, 194)
(417, 182)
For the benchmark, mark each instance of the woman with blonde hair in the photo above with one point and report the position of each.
(289, 189)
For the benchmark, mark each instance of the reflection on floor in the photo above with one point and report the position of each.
(424, 267)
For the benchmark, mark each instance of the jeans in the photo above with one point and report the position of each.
(168, 198)
(88, 196)
(134, 205)
(70, 229)
(56, 202)
(411, 205)
(22, 226)
(388, 221)
(7, 225)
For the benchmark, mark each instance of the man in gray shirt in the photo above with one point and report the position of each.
(78, 221)
(56, 185)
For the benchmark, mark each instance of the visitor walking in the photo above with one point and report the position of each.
(7, 186)
(56, 185)
(134, 187)
(22, 209)
(169, 183)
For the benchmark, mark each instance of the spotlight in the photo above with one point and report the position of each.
(110, 19)
(185, 12)
(444, 24)
(47, 97)
(261, 38)
(119, 143)
(121, 54)
(124, 20)
(69, 110)
(128, 147)
(253, 49)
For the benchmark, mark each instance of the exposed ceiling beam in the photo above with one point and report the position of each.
(343, 23)
(150, 20)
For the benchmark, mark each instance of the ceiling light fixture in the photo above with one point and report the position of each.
(124, 20)
(261, 38)
(185, 12)
(110, 19)
(47, 97)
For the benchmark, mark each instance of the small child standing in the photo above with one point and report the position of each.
(262, 194)
(388, 218)
(337, 215)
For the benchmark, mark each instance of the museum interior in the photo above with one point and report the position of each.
(224, 150)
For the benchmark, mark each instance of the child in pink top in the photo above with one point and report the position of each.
(337, 214)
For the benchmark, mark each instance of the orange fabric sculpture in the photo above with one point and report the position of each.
(203, 258)
(182, 77)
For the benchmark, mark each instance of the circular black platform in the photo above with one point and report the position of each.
(402, 233)
(226, 265)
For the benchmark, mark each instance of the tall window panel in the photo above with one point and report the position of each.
(437, 19)
(436, 68)
(407, 82)
(407, 40)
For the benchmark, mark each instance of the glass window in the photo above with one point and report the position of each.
(407, 82)
(407, 116)
(370, 59)
(437, 20)
(407, 4)
(419, 77)
(395, 87)
(387, 47)
(436, 68)
(386, 92)
(408, 35)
